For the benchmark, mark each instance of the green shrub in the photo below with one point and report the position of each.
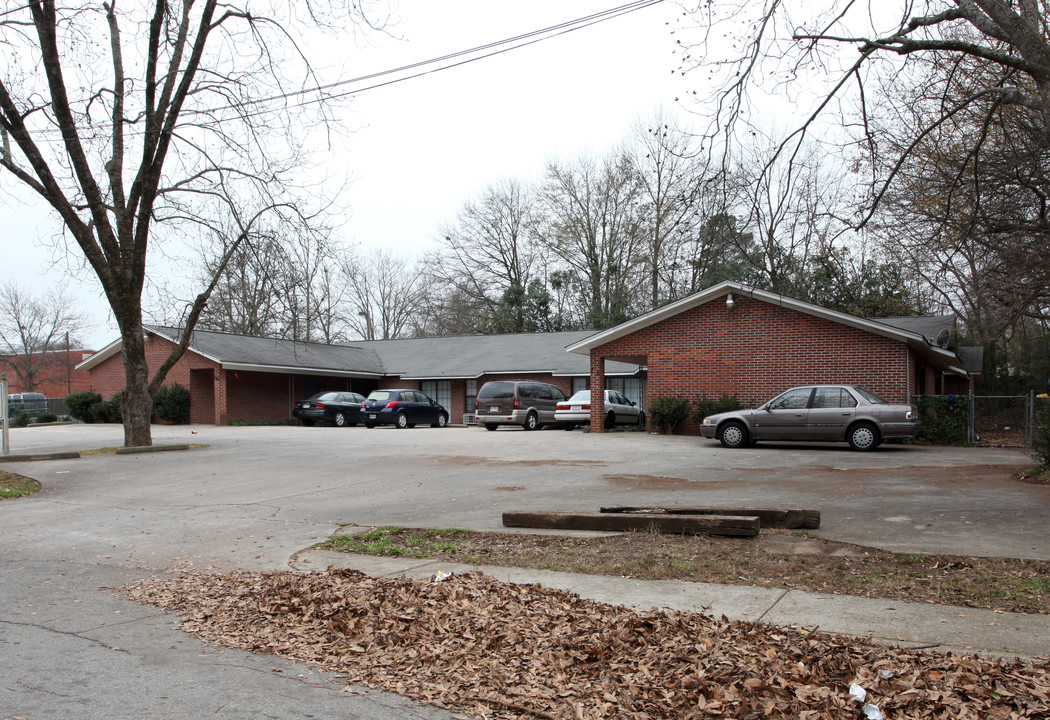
(172, 404)
(20, 421)
(667, 413)
(79, 405)
(944, 418)
(705, 406)
(47, 417)
(108, 411)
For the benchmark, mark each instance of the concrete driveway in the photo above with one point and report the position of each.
(255, 496)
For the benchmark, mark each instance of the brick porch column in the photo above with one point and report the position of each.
(597, 392)
(221, 416)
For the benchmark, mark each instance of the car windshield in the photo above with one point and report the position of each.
(581, 396)
(324, 396)
(870, 396)
(497, 390)
(379, 395)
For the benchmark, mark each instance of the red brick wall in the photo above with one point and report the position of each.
(56, 375)
(107, 378)
(756, 350)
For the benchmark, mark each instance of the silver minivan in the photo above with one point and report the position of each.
(527, 403)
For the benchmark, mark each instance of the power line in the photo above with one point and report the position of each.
(320, 93)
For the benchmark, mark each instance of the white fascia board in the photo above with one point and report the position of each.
(295, 370)
(104, 354)
(433, 377)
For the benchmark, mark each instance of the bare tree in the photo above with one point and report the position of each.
(33, 327)
(593, 227)
(387, 295)
(674, 186)
(488, 258)
(185, 115)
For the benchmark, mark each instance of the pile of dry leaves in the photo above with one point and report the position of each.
(475, 645)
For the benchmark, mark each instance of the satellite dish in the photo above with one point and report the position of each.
(943, 337)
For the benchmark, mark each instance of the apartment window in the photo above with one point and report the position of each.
(633, 388)
(470, 396)
(440, 391)
(578, 383)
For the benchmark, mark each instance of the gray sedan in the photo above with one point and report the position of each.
(825, 413)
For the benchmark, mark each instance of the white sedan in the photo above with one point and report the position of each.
(618, 410)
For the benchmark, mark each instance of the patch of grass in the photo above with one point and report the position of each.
(13, 486)
(396, 542)
(773, 559)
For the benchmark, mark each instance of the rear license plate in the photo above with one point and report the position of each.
(371, 417)
(493, 408)
(575, 407)
(307, 406)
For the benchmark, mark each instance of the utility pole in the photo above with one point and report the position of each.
(3, 412)
(69, 367)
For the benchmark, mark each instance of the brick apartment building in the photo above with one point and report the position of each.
(755, 346)
(57, 372)
(736, 340)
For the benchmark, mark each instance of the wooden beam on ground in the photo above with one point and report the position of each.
(770, 517)
(740, 526)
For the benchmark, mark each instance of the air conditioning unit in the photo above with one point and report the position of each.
(468, 418)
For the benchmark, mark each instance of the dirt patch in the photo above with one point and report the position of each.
(466, 460)
(650, 482)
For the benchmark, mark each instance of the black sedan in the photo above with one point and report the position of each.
(402, 409)
(342, 409)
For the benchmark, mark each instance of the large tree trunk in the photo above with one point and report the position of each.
(137, 408)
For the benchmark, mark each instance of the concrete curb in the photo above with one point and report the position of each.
(40, 456)
(966, 631)
(149, 448)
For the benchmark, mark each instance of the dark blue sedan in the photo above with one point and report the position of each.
(402, 409)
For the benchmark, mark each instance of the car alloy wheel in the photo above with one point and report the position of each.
(340, 420)
(402, 421)
(532, 421)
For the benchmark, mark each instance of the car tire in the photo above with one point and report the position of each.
(733, 435)
(863, 437)
(339, 420)
(442, 421)
(491, 426)
(370, 425)
(401, 422)
(308, 423)
(568, 426)
(532, 421)
(610, 420)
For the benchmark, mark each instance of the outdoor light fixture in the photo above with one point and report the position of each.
(729, 301)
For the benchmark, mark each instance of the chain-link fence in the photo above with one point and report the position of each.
(1004, 420)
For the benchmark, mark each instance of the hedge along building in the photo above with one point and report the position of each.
(237, 377)
(736, 340)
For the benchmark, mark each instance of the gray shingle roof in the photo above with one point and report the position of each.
(270, 352)
(470, 356)
(467, 356)
(929, 326)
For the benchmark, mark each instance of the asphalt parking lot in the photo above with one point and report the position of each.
(71, 646)
(257, 494)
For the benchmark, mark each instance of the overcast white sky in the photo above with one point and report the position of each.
(423, 147)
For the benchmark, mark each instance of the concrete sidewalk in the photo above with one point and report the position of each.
(903, 624)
